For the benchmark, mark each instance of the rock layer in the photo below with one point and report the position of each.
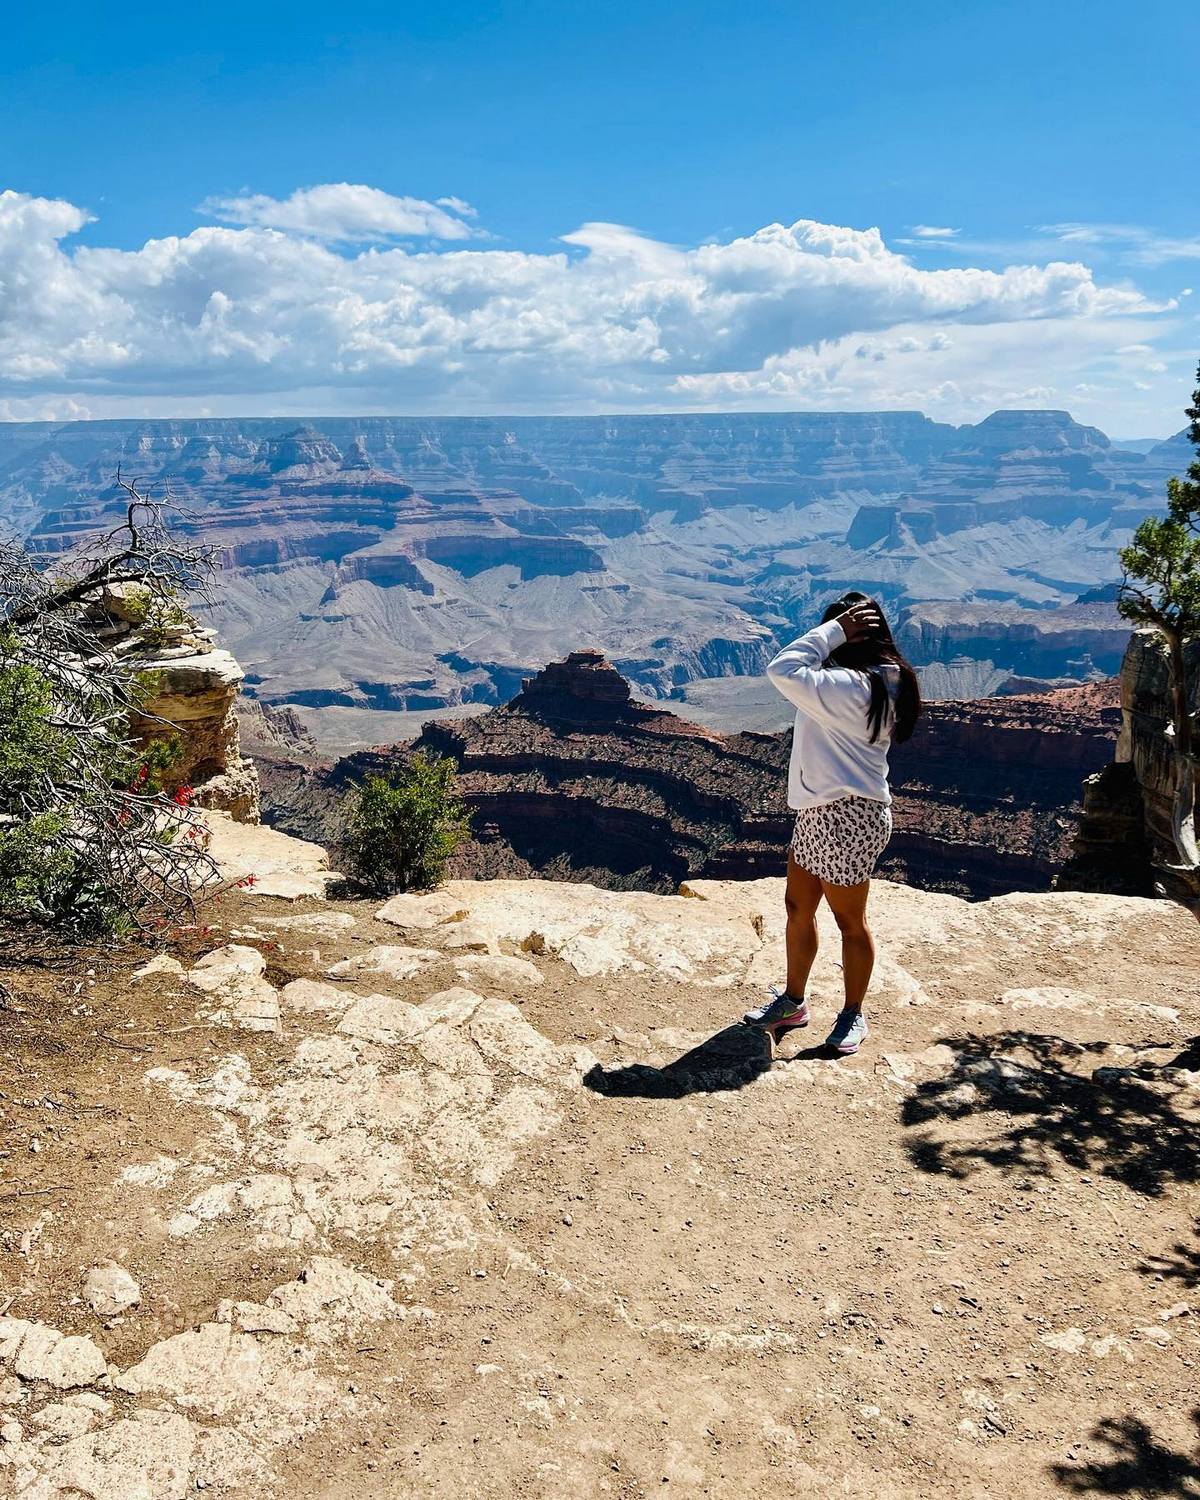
(415, 564)
(576, 779)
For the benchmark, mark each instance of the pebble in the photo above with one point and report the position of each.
(110, 1290)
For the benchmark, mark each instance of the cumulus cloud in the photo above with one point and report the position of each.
(347, 211)
(961, 378)
(272, 315)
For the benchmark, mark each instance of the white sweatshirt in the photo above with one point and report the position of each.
(832, 753)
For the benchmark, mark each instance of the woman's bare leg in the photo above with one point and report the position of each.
(848, 903)
(801, 900)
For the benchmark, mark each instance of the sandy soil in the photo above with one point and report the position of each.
(585, 1237)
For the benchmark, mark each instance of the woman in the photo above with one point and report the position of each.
(854, 695)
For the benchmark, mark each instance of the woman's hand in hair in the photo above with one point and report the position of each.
(860, 621)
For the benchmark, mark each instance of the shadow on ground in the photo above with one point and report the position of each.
(1140, 1465)
(1180, 1263)
(1046, 1103)
(730, 1059)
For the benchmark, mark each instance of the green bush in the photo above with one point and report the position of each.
(56, 805)
(42, 873)
(90, 839)
(404, 827)
(155, 612)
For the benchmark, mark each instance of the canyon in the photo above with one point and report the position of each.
(403, 566)
(578, 780)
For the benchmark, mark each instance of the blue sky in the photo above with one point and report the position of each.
(1039, 134)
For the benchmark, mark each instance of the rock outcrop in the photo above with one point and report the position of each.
(577, 779)
(1124, 838)
(191, 691)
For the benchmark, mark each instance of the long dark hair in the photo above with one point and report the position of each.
(868, 654)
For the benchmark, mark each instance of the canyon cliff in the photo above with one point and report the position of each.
(410, 565)
(1124, 839)
(577, 779)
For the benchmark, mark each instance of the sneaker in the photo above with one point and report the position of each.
(849, 1031)
(781, 1011)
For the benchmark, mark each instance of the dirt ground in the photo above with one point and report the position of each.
(586, 1236)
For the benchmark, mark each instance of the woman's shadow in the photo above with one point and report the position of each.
(730, 1059)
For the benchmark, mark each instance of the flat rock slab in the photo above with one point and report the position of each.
(427, 909)
(233, 977)
(388, 958)
(35, 1351)
(109, 1290)
(276, 864)
(320, 923)
(315, 995)
(500, 968)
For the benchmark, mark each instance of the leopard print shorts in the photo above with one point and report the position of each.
(840, 842)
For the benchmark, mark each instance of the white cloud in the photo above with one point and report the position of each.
(346, 211)
(934, 232)
(1132, 243)
(272, 317)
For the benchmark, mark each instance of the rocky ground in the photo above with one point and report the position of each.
(480, 1193)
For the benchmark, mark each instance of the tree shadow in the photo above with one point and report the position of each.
(1140, 1464)
(1180, 1263)
(730, 1059)
(1122, 1122)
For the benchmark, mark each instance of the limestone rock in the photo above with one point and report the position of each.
(253, 1317)
(217, 969)
(320, 923)
(313, 995)
(35, 1351)
(426, 909)
(1125, 837)
(280, 865)
(500, 968)
(109, 1289)
(144, 1457)
(233, 976)
(193, 701)
(161, 963)
(328, 1290)
(388, 958)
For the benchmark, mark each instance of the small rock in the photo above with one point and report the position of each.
(161, 963)
(110, 1290)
